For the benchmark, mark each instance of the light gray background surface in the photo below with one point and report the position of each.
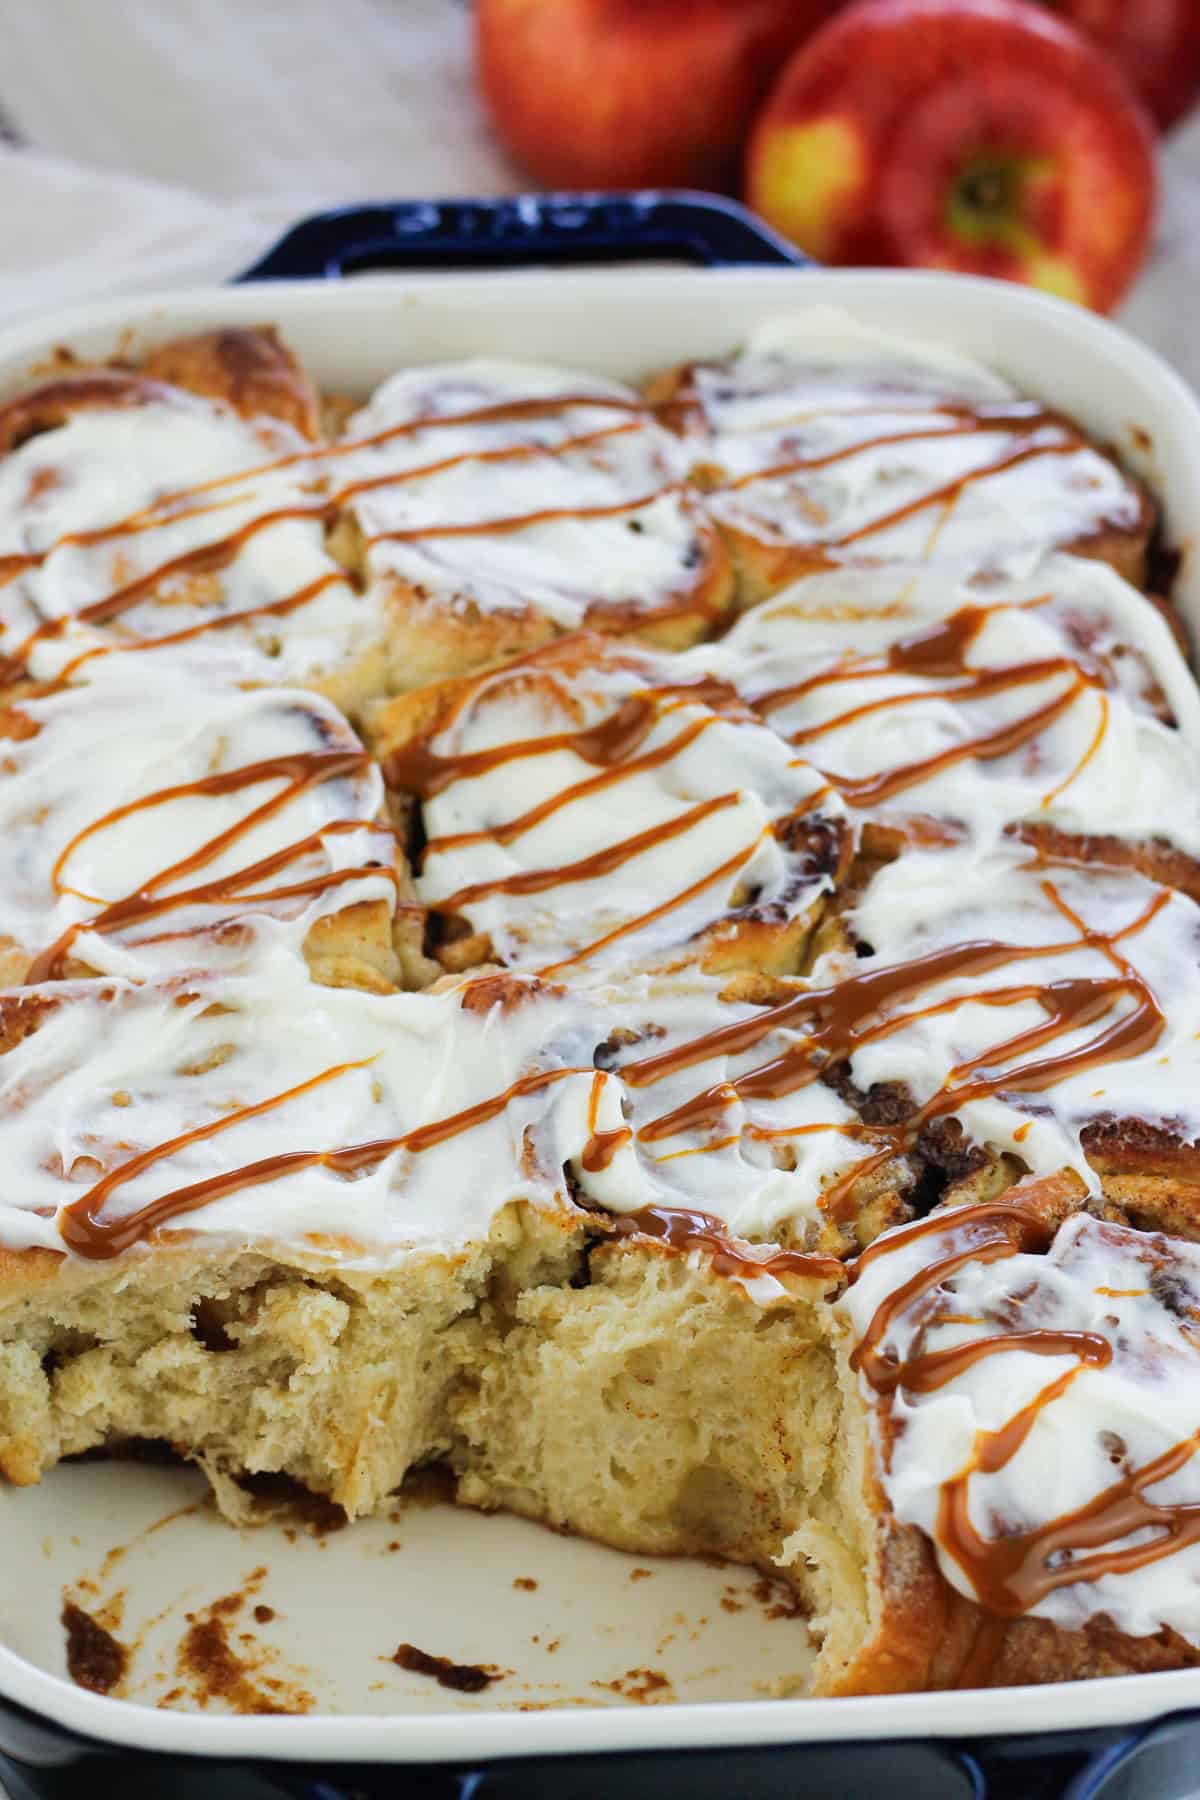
(165, 141)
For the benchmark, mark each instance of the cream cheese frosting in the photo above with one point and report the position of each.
(147, 811)
(508, 485)
(165, 521)
(594, 807)
(1035, 1414)
(361, 1127)
(823, 436)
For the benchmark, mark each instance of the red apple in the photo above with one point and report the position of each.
(981, 135)
(633, 93)
(1155, 42)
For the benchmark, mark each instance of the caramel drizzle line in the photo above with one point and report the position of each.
(950, 493)
(940, 652)
(214, 556)
(270, 609)
(369, 484)
(300, 773)
(163, 511)
(835, 1019)
(996, 1229)
(728, 868)
(869, 790)
(516, 827)
(683, 1229)
(518, 521)
(135, 908)
(90, 1236)
(602, 1146)
(610, 742)
(967, 424)
(1013, 1573)
(935, 651)
(1098, 737)
(209, 558)
(205, 559)
(589, 868)
(981, 686)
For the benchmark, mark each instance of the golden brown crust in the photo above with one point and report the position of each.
(1159, 862)
(248, 368)
(53, 402)
(436, 638)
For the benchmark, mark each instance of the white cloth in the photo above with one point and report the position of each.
(170, 143)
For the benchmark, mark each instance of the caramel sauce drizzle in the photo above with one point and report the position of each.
(1013, 1572)
(216, 556)
(590, 868)
(502, 453)
(270, 609)
(602, 1146)
(831, 1013)
(166, 509)
(205, 559)
(968, 422)
(939, 652)
(837, 1019)
(516, 827)
(90, 1235)
(212, 558)
(1030, 424)
(610, 744)
(628, 926)
(683, 1229)
(518, 521)
(951, 492)
(298, 773)
(613, 745)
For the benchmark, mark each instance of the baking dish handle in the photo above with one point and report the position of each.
(526, 230)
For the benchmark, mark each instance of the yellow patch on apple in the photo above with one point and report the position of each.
(803, 175)
(1055, 275)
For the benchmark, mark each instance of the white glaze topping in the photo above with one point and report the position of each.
(117, 1070)
(573, 858)
(260, 803)
(823, 436)
(1075, 666)
(581, 484)
(158, 483)
(1103, 1409)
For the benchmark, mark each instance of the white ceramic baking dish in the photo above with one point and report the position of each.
(342, 1606)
